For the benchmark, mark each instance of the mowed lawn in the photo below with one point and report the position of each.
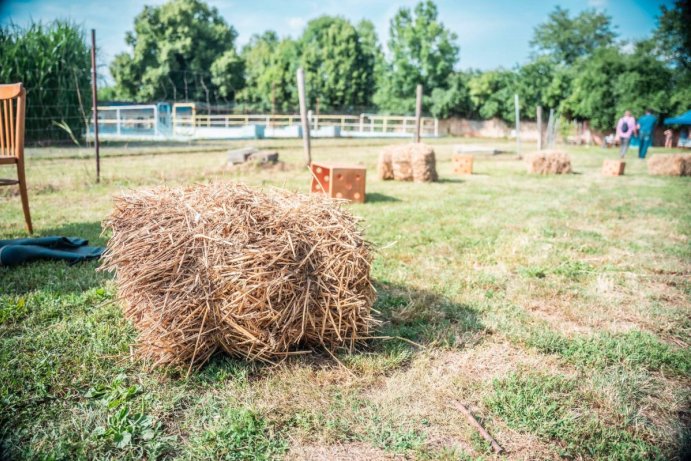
(558, 309)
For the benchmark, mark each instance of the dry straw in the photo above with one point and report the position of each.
(408, 162)
(549, 162)
(258, 274)
(670, 165)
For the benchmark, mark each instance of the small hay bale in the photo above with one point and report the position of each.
(549, 162)
(411, 162)
(670, 165)
(257, 274)
(613, 167)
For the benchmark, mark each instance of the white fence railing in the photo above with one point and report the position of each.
(182, 120)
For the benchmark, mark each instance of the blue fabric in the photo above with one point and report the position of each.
(646, 142)
(70, 249)
(647, 124)
(683, 119)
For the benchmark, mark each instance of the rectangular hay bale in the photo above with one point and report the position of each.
(670, 165)
(613, 167)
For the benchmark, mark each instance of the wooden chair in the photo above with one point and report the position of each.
(12, 112)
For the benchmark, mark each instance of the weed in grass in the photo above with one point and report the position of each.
(12, 309)
(536, 272)
(238, 435)
(385, 434)
(135, 434)
(573, 270)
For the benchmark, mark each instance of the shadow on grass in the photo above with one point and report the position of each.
(376, 197)
(424, 317)
(450, 181)
(57, 277)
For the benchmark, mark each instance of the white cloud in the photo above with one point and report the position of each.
(599, 4)
(296, 23)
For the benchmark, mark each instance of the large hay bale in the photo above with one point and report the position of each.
(257, 274)
(408, 162)
(549, 162)
(670, 165)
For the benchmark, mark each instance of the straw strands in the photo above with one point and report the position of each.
(670, 165)
(258, 274)
(549, 162)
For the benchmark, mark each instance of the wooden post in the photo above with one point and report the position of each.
(94, 103)
(550, 129)
(303, 116)
(539, 127)
(518, 125)
(418, 113)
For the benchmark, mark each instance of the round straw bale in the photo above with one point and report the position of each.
(257, 274)
(549, 162)
(670, 165)
(412, 162)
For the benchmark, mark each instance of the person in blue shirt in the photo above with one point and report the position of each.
(646, 126)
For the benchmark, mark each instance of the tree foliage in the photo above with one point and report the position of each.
(270, 66)
(338, 72)
(174, 46)
(565, 38)
(423, 51)
(455, 99)
(492, 93)
(673, 34)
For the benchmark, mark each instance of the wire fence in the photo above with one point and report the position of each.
(191, 107)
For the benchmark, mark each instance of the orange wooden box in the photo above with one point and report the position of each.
(339, 181)
(613, 167)
(462, 164)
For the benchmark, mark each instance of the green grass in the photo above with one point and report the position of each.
(552, 408)
(555, 307)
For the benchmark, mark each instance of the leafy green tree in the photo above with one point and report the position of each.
(374, 57)
(673, 34)
(454, 100)
(672, 42)
(338, 72)
(533, 84)
(610, 82)
(270, 66)
(174, 46)
(492, 93)
(423, 51)
(227, 74)
(592, 95)
(567, 38)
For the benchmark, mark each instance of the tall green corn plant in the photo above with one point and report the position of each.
(53, 62)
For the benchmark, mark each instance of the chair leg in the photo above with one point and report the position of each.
(25, 196)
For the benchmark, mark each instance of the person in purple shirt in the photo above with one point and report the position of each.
(626, 127)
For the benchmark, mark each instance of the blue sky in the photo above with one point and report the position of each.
(491, 33)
